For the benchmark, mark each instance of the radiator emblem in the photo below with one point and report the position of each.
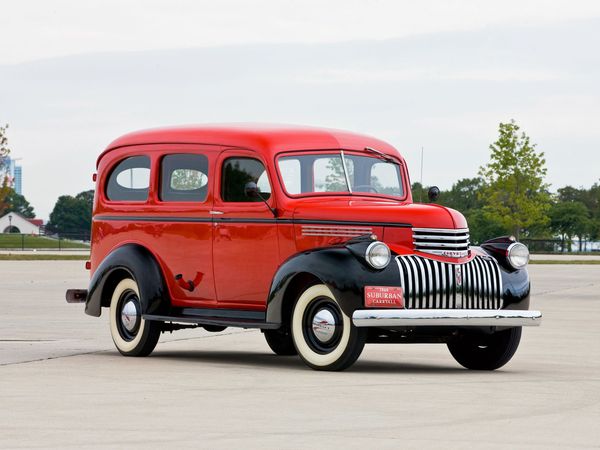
(458, 276)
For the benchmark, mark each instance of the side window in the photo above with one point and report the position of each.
(244, 180)
(184, 178)
(290, 172)
(130, 180)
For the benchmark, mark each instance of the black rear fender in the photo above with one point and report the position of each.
(133, 261)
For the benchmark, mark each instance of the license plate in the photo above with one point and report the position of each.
(383, 297)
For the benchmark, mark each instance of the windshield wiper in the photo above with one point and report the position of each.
(382, 155)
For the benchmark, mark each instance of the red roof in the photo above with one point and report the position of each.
(261, 137)
(36, 222)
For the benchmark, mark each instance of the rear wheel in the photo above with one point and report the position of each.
(280, 341)
(486, 352)
(132, 335)
(324, 336)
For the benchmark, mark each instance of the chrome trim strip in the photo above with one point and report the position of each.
(459, 245)
(445, 317)
(455, 253)
(346, 171)
(442, 230)
(332, 234)
(337, 227)
(442, 238)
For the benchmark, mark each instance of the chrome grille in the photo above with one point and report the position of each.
(442, 241)
(429, 284)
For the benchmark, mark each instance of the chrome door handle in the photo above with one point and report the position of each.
(215, 212)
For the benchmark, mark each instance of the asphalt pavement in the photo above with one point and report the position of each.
(64, 385)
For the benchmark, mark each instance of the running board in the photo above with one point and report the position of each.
(239, 322)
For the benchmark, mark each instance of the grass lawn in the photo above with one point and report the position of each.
(8, 241)
(566, 261)
(34, 257)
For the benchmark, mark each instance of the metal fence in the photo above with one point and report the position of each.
(60, 242)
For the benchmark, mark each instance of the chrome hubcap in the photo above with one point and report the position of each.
(323, 325)
(129, 316)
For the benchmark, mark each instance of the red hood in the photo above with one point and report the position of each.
(381, 211)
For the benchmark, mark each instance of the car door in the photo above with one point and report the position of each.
(182, 231)
(245, 243)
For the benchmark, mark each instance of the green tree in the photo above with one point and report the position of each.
(17, 203)
(515, 194)
(569, 219)
(4, 180)
(464, 196)
(419, 192)
(335, 181)
(72, 214)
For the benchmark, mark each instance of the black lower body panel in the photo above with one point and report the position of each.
(217, 317)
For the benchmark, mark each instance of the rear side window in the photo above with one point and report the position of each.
(244, 180)
(184, 178)
(130, 180)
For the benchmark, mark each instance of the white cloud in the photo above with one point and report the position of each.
(374, 75)
(31, 29)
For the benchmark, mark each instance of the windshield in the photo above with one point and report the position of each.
(340, 172)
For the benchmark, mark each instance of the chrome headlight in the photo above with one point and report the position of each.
(517, 255)
(378, 255)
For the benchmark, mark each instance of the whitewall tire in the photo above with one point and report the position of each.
(323, 335)
(132, 335)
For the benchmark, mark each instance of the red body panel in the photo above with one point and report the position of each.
(233, 249)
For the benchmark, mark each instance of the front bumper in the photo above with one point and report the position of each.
(445, 317)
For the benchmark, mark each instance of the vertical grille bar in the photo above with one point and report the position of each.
(468, 286)
(488, 285)
(499, 287)
(423, 293)
(407, 282)
(436, 284)
(416, 287)
(443, 295)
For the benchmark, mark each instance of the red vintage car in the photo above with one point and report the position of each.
(309, 234)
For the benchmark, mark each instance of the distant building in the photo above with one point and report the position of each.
(15, 223)
(14, 173)
(18, 180)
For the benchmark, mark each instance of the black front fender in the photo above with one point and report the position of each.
(515, 288)
(343, 271)
(138, 263)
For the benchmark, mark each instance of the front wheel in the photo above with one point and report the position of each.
(324, 336)
(132, 335)
(480, 352)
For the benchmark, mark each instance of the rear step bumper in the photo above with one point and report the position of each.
(76, 295)
(445, 317)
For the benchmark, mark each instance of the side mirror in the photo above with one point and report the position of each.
(251, 190)
(433, 193)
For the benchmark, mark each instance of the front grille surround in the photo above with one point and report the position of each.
(452, 243)
(431, 284)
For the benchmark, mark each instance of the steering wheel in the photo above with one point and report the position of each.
(365, 188)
